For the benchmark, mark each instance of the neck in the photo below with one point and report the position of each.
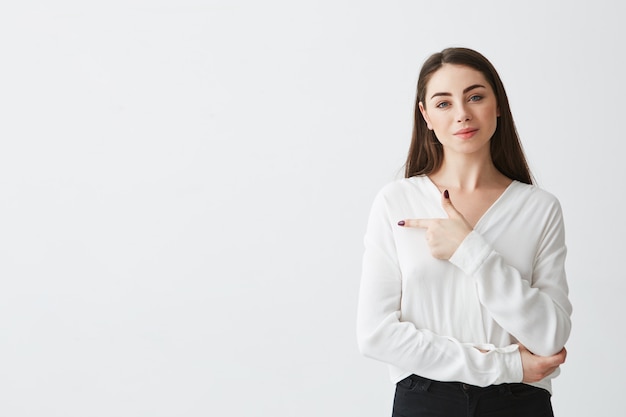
(462, 172)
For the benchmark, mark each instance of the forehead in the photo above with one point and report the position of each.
(451, 78)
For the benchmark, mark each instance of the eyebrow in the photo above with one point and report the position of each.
(470, 88)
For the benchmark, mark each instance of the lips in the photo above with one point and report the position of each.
(466, 133)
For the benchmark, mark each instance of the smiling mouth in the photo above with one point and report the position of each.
(466, 133)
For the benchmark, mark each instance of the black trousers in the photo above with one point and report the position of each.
(422, 397)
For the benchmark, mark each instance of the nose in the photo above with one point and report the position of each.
(463, 115)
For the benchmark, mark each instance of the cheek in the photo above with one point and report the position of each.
(436, 120)
(490, 115)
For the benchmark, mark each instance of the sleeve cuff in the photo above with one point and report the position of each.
(471, 253)
(512, 361)
(509, 362)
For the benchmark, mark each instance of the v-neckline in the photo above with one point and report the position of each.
(489, 209)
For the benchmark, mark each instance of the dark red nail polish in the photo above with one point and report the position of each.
(401, 223)
(446, 194)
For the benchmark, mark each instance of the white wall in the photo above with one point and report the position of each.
(184, 187)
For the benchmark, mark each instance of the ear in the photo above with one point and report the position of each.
(425, 115)
(498, 111)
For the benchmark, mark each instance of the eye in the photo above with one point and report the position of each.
(442, 105)
(475, 97)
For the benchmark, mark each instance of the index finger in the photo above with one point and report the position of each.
(421, 223)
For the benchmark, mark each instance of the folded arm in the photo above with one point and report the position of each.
(535, 311)
(382, 335)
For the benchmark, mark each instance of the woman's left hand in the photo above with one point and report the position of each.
(443, 235)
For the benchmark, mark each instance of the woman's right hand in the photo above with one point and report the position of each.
(538, 367)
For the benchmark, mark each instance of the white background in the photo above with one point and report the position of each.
(184, 187)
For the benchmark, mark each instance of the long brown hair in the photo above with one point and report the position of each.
(426, 153)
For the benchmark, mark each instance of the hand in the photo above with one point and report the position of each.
(538, 367)
(443, 235)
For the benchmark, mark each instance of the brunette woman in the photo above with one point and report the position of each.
(463, 290)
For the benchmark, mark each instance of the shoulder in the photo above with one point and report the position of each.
(536, 202)
(403, 187)
(397, 196)
(535, 195)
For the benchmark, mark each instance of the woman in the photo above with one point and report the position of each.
(463, 291)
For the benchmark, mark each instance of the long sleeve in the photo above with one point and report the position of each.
(383, 334)
(535, 309)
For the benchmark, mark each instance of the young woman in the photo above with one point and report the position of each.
(463, 290)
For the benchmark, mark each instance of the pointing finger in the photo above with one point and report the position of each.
(420, 223)
(448, 206)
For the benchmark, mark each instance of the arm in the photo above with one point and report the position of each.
(537, 311)
(382, 334)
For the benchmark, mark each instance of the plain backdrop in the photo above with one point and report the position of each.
(184, 187)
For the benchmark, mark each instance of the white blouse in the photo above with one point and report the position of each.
(504, 285)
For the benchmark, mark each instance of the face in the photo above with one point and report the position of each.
(462, 109)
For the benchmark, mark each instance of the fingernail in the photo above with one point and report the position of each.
(401, 223)
(446, 194)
